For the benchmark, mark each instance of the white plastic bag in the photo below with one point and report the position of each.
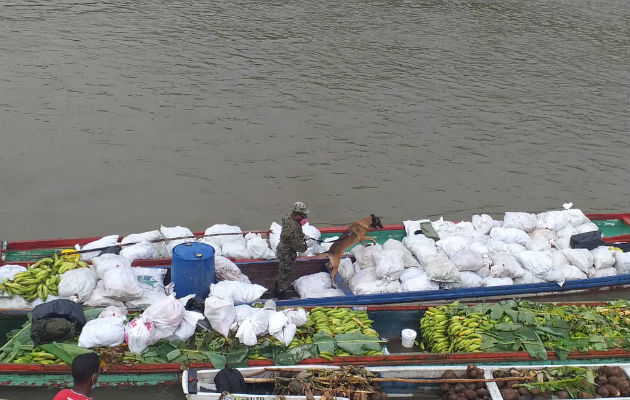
(139, 251)
(498, 281)
(601, 272)
(147, 298)
(98, 332)
(586, 227)
(452, 244)
(364, 254)
(576, 216)
(388, 263)
(408, 259)
(220, 313)
(106, 241)
(327, 292)
(226, 270)
(286, 334)
(538, 245)
(467, 279)
(98, 298)
(441, 269)
(113, 311)
(274, 236)
(235, 250)
(469, 260)
(166, 315)
(108, 261)
(364, 281)
(188, 325)
(538, 263)
(421, 247)
(255, 324)
(312, 233)
(8, 272)
(419, 283)
(239, 292)
(307, 285)
(258, 247)
(509, 235)
(151, 278)
(515, 248)
(413, 272)
(520, 220)
(170, 232)
(77, 284)
(581, 258)
(277, 321)
(121, 284)
(297, 316)
(602, 257)
(139, 334)
(482, 223)
(153, 237)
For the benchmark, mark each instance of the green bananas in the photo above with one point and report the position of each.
(38, 356)
(434, 329)
(335, 321)
(41, 278)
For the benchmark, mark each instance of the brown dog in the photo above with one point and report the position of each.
(354, 234)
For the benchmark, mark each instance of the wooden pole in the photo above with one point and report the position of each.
(408, 380)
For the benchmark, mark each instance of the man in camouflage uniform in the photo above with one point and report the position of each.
(292, 241)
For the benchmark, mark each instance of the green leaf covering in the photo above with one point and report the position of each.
(65, 351)
(237, 357)
(296, 354)
(357, 343)
(324, 342)
(218, 360)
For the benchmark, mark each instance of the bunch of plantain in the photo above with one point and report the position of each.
(41, 278)
(434, 327)
(465, 330)
(335, 321)
(38, 356)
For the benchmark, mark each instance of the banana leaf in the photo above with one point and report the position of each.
(237, 357)
(296, 354)
(357, 343)
(324, 342)
(65, 351)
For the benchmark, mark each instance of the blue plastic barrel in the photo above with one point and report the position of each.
(192, 269)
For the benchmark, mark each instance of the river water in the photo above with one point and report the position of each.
(119, 116)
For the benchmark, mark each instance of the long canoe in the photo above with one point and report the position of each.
(388, 322)
(395, 381)
(264, 272)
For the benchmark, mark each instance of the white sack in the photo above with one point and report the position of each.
(482, 223)
(412, 226)
(554, 220)
(258, 247)
(586, 227)
(220, 313)
(601, 272)
(564, 237)
(515, 248)
(313, 234)
(520, 220)
(413, 272)
(408, 259)
(441, 269)
(444, 228)
(166, 316)
(247, 330)
(576, 216)
(364, 254)
(77, 284)
(469, 260)
(106, 241)
(419, 283)
(328, 292)
(139, 251)
(499, 281)
(286, 335)
(468, 279)
(538, 263)
(308, 284)
(98, 332)
(274, 236)
(121, 284)
(480, 248)
(147, 298)
(239, 292)
(277, 321)
(388, 263)
(108, 261)
(226, 270)
(187, 328)
(297, 316)
(150, 236)
(222, 234)
(559, 259)
(346, 269)
(581, 258)
(505, 265)
(509, 235)
(538, 245)
(364, 281)
(139, 334)
(602, 257)
(465, 229)
(421, 247)
(452, 244)
(235, 250)
(528, 277)
(571, 272)
(174, 232)
(98, 297)
(496, 246)
(622, 262)
(151, 278)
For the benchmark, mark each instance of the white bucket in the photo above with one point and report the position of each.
(408, 336)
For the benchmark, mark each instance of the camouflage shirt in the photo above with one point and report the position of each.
(292, 235)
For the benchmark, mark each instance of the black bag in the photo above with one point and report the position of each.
(48, 330)
(196, 304)
(586, 240)
(230, 380)
(60, 308)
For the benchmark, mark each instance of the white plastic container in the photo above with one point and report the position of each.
(408, 336)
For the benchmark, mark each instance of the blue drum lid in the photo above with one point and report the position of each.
(193, 251)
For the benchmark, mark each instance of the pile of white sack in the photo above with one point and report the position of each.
(522, 248)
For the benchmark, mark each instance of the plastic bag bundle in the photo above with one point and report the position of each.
(441, 269)
(99, 298)
(306, 286)
(226, 270)
(258, 247)
(139, 334)
(121, 283)
(106, 241)
(482, 223)
(220, 313)
(239, 292)
(297, 316)
(553, 220)
(8, 272)
(77, 284)
(408, 259)
(187, 328)
(622, 262)
(113, 311)
(520, 220)
(467, 279)
(98, 332)
(581, 258)
(346, 269)
(166, 316)
(171, 232)
(104, 263)
(505, 265)
(452, 244)
(389, 263)
(364, 255)
(139, 251)
(153, 237)
(602, 257)
(509, 235)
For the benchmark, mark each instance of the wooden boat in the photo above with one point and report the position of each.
(388, 322)
(397, 381)
(264, 272)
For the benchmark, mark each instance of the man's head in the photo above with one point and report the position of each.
(299, 210)
(85, 369)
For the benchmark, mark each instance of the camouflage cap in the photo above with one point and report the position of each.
(300, 207)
